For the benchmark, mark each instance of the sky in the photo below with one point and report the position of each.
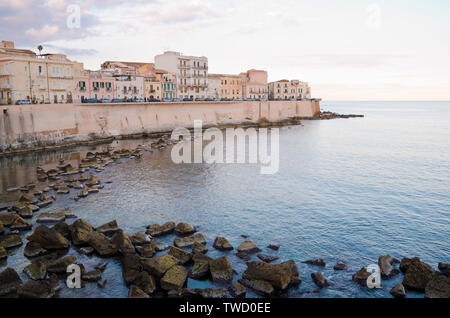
(345, 49)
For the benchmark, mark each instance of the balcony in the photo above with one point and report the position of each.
(4, 73)
(5, 86)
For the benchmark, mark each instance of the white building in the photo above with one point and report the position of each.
(191, 73)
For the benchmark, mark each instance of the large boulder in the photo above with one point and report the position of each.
(248, 247)
(51, 217)
(9, 281)
(222, 244)
(417, 275)
(291, 266)
(278, 275)
(199, 248)
(188, 241)
(201, 266)
(62, 228)
(79, 231)
(387, 268)
(102, 245)
(221, 270)
(444, 268)
(260, 287)
(48, 238)
(438, 287)
(108, 228)
(123, 242)
(145, 282)
(139, 239)
(158, 266)
(26, 212)
(340, 265)
(37, 289)
(37, 270)
(10, 241)
(7, 219)
(33, 249)
(2, 228)
(146, 250)
(28, 198)
(156, 230)
(131, 266)
(267, 258)
(183, 256)
(174, 278)
(361, 276)
(184, 229)
(60, 266)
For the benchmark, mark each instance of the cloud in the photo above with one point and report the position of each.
(72, 52)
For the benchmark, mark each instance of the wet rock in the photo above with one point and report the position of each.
(292, 268)
(26, 212)
(444, 268)
(44, 204)
(62, 189)
(37, 289)
(417, 275)
(184, 229)
(131, 266)
(101, 283)
(174, 278)
(158, 266)
(340, 266)
(221, 270)
(318, 262)
(267, 258)
(33, 249)
(145, 282)
(320, 280)
(48, 238)
(405, 263)
(51, 217)
(398, 291)
(201, 266)
(278, 275)
(36, 270)
(147, 250)
(438, 287)
(209, 293)
(386, 266)
(123, 242)
(60, 266)
(160, 246)
(62, 228)
(108, 228)
(92, 181)
(9, 281)
(102, 245)
(79, 231)
(199, 248)
(243, 255)
(237, 290)
(261, 287)
(222, 244)
(92, 276)
(183, 256)
(2, 228)
(28, 198)
(248, 247)
(20, 224)
(140, 238)
(156, 230)
(3, 253)
(83, 193)
(188, 241)
(361, 276)
(93, 190)
(136, 292)
(101, 266)
(10, 241)
(274, 247)
(88, 251)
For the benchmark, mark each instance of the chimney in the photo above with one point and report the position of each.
(7, 44)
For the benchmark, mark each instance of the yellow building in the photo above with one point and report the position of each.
(230, 85)
(285, 89)
(152, 88)
(47, 78)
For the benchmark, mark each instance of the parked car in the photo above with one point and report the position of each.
(217, 99)
(23, 102)
(166, 100)
(139, 100)
(154, 100)
(187, 99)
(91, 100)
(106, 100)
(239, 99)
(176, 100)
(116, 100)
(209, 99)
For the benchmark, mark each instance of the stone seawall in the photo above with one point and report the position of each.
(38, 127)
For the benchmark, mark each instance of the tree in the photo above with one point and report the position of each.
(40, 48)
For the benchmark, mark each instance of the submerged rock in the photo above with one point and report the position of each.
(386, 266)
(37, 270)
(183, 256)
(417, 275)
(102, 245)
(438, 287)
(318, 262)
(79, 231)
(248, 247)
(10, 281)
(320, 280)
(88, 251)
(60, 266)
(398, 291)
(123, 242)
(237, 290)
(188, 241)
(243, 255)
(340, 266)
(267, 258)
(158, 266)
(101, 266)
(51, 217)
(156, 230)
(108, 228)
(274, 247)
(221, 270)
(48, 238)
(92, 276)
(174, 278)
(184, 229)
(222, 244)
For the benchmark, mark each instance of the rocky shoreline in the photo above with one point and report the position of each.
(151, 268)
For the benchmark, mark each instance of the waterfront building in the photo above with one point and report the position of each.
(230, 85)
(213, 90)
(168, 84)
(285, 89)
(24, 75)
(254, 84)
(129, 87)
(191, 73)
(152, 88)
(94, 85)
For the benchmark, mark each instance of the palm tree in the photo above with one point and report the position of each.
(40, 48)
